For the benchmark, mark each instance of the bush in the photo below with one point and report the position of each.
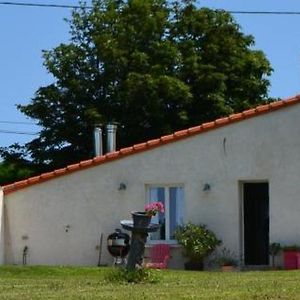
(197, 241)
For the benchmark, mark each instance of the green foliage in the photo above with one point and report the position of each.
(226, 258)
(152, 66)
(197, 241)
(15, 167)
(141, 275)
(274, 248)
(10, 172)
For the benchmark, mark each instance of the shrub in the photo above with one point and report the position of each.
(197, 241)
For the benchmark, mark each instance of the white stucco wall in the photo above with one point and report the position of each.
(264, 148)
(1, 227)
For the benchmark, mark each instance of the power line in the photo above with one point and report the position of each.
(42, 5)
(18, 132)
(90, 7)
(265, 12)
(16, 122)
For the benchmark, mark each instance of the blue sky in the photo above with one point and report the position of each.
(26, 31)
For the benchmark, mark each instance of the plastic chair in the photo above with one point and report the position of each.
(159, 256)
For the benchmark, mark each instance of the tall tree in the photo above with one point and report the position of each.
(151, 66)
(14, 166)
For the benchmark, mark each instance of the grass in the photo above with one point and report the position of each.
(41, 282)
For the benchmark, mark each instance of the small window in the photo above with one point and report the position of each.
(173, 199)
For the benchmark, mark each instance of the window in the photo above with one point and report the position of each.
(173, 199)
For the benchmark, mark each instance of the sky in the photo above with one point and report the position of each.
(26, 31)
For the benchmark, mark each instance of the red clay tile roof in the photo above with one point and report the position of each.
(176, 136)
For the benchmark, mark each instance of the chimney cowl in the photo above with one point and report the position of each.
(111, 131)
(98, 144)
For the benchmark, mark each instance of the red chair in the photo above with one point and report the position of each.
(159, 256)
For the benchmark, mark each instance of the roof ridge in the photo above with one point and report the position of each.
(151, 144)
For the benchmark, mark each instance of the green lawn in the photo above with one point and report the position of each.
(90, 283)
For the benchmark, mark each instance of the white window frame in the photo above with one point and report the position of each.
(167, 212)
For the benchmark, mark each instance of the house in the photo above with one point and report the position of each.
(239, 175)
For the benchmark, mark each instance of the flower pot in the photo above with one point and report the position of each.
(193, 265)
(228, 268)
(290, 259)
(140, 219)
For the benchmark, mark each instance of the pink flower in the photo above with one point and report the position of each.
(153, 208)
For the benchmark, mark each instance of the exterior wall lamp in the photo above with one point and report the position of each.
(206, 187)
(122, 186)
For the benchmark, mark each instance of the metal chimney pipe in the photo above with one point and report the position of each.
(98, 145)
(111, 130)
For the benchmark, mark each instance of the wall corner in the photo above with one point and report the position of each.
(1, 227)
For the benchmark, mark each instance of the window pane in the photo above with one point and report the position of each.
(176, 208)
(158, 194)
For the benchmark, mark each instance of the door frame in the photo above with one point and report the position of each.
(241, 217)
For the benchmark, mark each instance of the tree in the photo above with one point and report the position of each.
(151, 66)
(15, 166)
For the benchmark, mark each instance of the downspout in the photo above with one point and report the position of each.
(1, 227)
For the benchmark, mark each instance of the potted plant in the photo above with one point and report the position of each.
(274, 249)
(227, 260)
(198, 242)
(290, 256)
(142, 219)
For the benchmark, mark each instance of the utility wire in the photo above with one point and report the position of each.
(90, 7)
(18, 132)
(42, 5)
(16, 122)
(264, 12)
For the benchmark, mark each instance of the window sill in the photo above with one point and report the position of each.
(172, 244)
